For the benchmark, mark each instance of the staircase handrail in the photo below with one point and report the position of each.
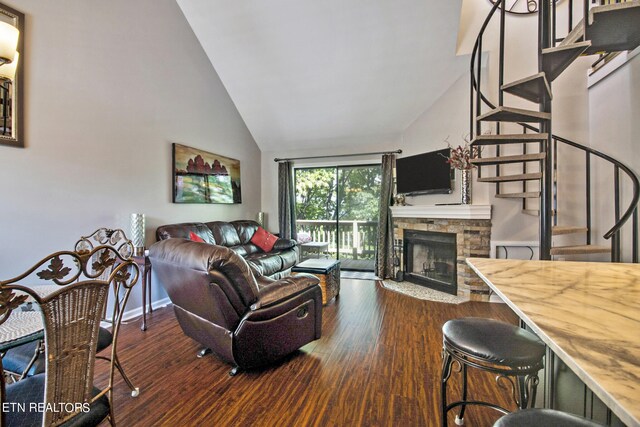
(632, 176)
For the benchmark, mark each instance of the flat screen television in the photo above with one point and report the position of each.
(427, 173)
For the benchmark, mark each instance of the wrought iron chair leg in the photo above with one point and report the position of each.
(135, 391)
(111, 417)
(522, 390)
(533, 390)
(447, 361)
(460, 417)
(36, 354)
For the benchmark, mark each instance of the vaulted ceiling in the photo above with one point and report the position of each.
(309, 70)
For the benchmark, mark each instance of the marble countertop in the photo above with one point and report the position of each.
(588, 313)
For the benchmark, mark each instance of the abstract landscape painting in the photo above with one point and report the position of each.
(202, 177)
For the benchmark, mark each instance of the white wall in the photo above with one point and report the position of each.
(109, 86)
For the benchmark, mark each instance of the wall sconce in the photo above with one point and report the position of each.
(137, 232)
(8, 70)
(8, 42)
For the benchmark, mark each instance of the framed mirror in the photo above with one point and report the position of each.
(11, 90)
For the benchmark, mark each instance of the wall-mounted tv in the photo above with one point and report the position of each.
(427, 173)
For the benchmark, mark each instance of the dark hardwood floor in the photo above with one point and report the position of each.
(377, 364)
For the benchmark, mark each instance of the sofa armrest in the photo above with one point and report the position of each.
(283, 289)
(282, 244)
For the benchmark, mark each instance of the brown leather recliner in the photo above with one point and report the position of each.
(220, 304)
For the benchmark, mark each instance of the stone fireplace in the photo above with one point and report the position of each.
(432, 243)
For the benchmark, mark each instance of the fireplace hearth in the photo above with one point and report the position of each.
(430, 260)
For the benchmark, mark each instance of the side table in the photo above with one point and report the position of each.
(145, 268)
(314, 247)
(327, 270)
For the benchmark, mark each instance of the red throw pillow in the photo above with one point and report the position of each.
(263, 239)
(194, 237)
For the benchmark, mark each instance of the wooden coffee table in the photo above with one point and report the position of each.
(327, 270)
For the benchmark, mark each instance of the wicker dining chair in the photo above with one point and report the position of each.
(25, 360)
(71, 318)
(116, 239)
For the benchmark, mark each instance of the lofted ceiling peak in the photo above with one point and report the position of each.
(303, 70)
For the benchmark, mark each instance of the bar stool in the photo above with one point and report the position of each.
(490, 345)
(543, 417)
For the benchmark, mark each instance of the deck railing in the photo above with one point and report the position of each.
(354, 240)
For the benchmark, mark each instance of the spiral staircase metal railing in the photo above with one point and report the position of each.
(591, 35)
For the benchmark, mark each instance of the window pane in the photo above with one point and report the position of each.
(316, 216)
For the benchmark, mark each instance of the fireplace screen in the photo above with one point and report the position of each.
(430, 259)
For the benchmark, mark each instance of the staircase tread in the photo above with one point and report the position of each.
(556, 59)
(564, 47)
(567, 229)
(608, 29)
(508, 159)
(613, 27)
(526, 195)
(579, 249)
(509, 178)
(512, 114)
(531, 88)
(511, 138)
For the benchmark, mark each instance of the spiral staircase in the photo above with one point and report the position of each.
(608, 28)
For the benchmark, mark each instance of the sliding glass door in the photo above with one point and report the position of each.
(337, 211)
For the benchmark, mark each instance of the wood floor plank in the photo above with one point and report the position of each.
(377, 364)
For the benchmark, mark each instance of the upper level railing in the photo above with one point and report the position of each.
(351, 239)
(477, 99)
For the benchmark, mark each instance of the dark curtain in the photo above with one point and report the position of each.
(384, 246)
(286, 201)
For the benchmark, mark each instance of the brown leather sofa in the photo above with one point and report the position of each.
(237, 235)
(218, 301)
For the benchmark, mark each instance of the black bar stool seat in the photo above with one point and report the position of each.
(543, 417)
(494, 341)
(494, 346)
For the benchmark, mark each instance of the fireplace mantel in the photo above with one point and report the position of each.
(443, 211)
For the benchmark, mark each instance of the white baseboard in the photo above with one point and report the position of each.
(137, 312)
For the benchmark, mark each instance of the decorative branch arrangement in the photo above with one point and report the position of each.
(461, 156)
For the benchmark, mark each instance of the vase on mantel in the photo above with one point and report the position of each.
(465, 186)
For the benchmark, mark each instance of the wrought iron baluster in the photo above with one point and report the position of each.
(588, 196)
(570, 16)
(555, 180)
(615, 240)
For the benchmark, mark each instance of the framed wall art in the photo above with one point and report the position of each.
(203, 177)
